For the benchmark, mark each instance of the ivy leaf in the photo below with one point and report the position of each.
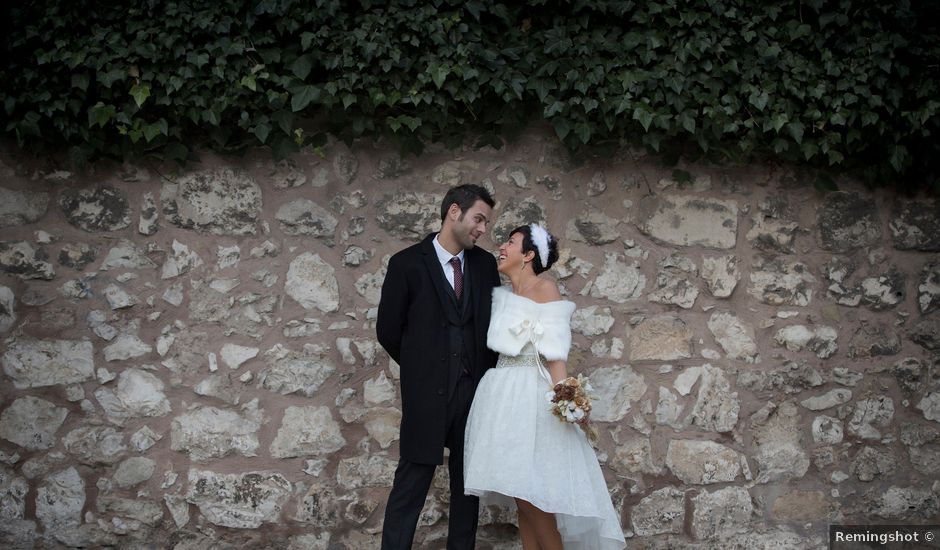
(301, 67)
(542, 88)
(100, 114)
(197, 59)
(140, 93)
(248, 81)
(151, 131)
(261, 130)
(835, 157)
(644, 117)
(796, 130)
(306, 39)
(439, 74)
(583, 130)
(474, 8)
(758, 100)
(284, 120)
(80, 81)
(809, 149)
(554, 108)
(108, 78)
(212, 116)
(589, 104)
(301, 96)
(562, 128)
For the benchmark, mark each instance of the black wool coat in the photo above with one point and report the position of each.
(412, 327)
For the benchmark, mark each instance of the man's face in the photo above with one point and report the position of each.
(471, 224)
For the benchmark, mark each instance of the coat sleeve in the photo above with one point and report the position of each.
(393, 307)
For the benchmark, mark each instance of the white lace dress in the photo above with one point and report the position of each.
(515, 447)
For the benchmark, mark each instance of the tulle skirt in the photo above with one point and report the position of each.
(516, 448)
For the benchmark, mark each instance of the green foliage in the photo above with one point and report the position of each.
(852, 85)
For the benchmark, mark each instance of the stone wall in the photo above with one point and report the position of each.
(189, 357)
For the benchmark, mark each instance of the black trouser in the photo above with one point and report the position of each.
(412, 481)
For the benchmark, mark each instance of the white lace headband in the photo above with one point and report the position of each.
(540, 238)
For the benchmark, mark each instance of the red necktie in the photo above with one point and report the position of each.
(458, 276)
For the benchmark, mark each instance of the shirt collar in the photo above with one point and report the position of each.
(443, 255)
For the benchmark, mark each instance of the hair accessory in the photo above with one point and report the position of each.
(540, 238)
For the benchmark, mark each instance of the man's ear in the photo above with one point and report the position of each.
(453, 212)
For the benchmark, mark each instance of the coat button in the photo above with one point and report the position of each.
(440, 392)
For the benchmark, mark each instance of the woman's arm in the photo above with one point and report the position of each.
(557, 370)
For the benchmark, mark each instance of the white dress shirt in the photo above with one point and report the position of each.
(444, 257)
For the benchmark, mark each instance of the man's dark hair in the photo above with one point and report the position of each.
(465, 196)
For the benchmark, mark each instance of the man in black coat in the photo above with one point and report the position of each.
(432, 320)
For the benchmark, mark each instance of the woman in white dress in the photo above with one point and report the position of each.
(517, 453)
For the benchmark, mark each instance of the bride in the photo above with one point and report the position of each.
(516, 452)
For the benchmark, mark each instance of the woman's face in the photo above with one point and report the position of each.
(510, 254)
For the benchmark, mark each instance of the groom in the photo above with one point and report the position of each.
(432, 320)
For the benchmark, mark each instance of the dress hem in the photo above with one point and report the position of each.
(481, 493)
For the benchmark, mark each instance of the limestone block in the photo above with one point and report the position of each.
(703, 462)
(100, 208)
(138, 394)
(219, 202)
(21, 207)
(409, 215)
(593, 228)
(291, 371)
(208, 432)
(915, 225)
(688, 220)
(846, 221)
(33, 363)
(305, 217)
(618, 281)
(311, 282)
(95, 445)
(660, 512)
(31, 423)
(734, 336)
(516, 212)
(616, 388)
(241, 501)
(125, 255)
(661, 337)
(307, 431)
(22, 260)
(721, 513)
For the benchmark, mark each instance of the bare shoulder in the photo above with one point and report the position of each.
(546, 291)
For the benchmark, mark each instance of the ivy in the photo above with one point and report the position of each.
(846, 85)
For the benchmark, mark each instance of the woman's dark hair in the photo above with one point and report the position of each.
(465, 196)
(529, 246)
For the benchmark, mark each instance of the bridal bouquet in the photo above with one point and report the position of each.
(571, 402)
